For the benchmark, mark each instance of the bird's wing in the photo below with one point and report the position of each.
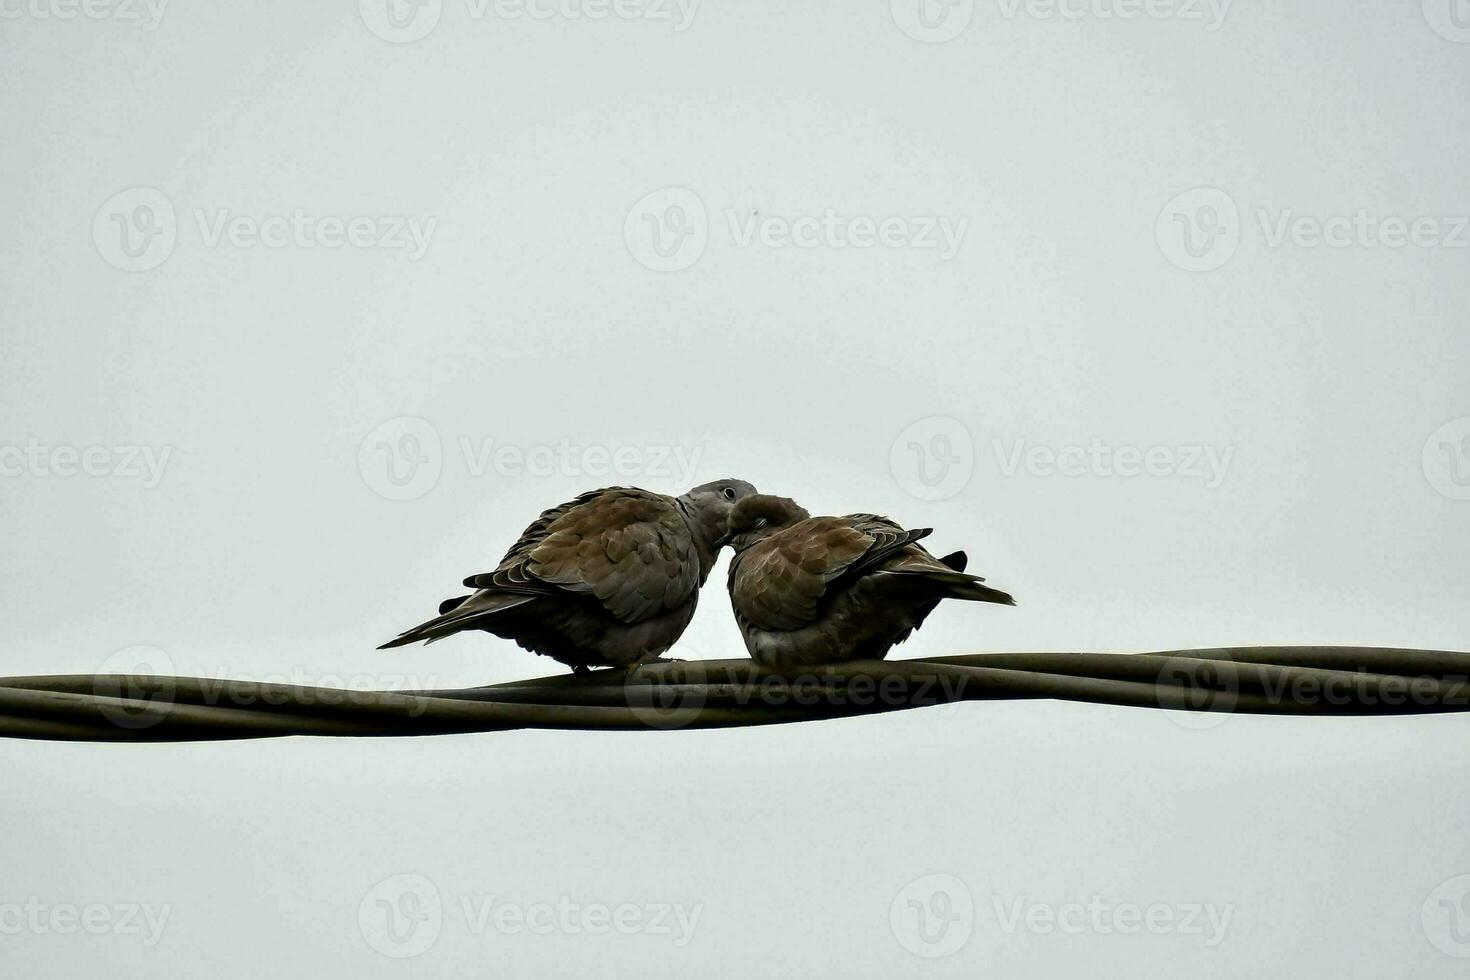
(779, 583)
(628, 548)
(889, 539)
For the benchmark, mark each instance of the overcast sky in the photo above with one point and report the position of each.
(1157, 310)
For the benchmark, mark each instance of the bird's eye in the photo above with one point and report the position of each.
(729, 493)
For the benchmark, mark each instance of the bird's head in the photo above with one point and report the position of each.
(759, 516)
(709, 504)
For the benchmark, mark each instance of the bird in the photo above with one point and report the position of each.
(608, 579)
(808, 591)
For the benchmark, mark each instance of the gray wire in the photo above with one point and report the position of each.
(1322, 681)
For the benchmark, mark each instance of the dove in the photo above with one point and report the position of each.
(819, 590)
(609, 579)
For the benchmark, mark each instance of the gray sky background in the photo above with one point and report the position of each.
(1161, 317)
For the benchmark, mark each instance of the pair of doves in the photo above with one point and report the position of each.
(611, 579)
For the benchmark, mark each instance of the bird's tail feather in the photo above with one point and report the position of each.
(957, 584)
(956, 560)
(455, 603)
(456, 615)
(977, 591)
